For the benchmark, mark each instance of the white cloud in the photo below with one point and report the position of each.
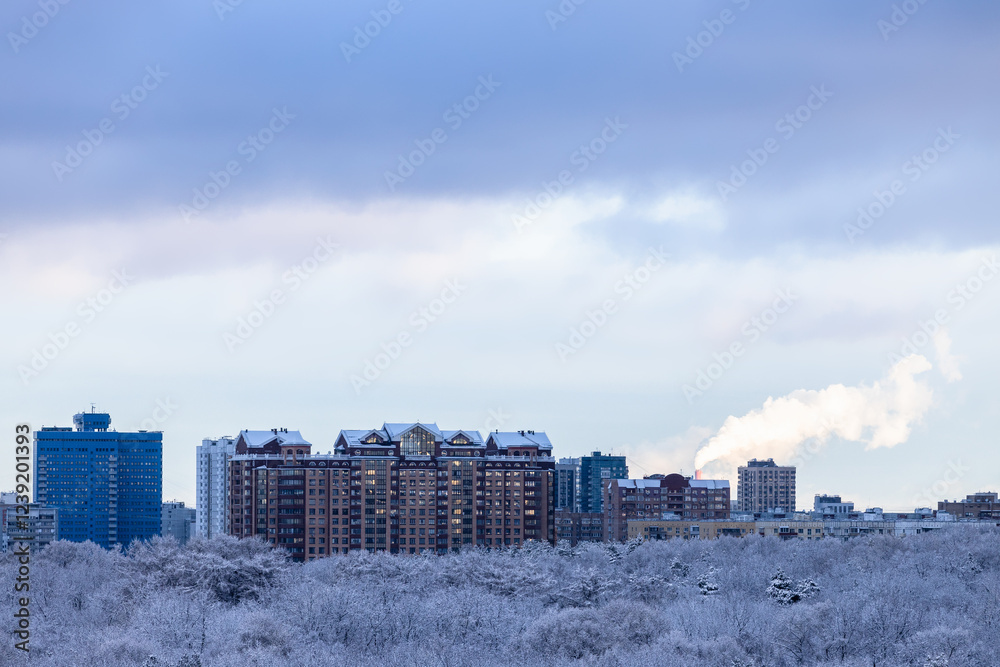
(685, 209)
(494, 346)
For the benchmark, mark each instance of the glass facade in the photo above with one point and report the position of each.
(107, 485)
(417, 442)
(463, 488)
(594, 471)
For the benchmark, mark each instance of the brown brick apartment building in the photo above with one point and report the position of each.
(657, 497)
(709, 529)
(575, 527)
(975, 506)
(403, 488)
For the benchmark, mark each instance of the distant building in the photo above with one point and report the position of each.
(801, 526)
(177, 521)
(213, 486)
(107, 485)
(831, 505)
(39, 526)
(402, 488)
(253, 488)
(688, 530)
(575, 527)
(595, 471)
(764, 486)
(670, 497)
(791, 528)
(568, 485)
(975, 506)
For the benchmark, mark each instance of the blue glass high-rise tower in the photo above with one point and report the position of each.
(595, 471)
(107, 485)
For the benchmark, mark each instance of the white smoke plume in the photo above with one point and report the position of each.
(879, 415)
(946, 361)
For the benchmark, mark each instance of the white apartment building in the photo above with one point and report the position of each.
(213, 486)
(764, 486)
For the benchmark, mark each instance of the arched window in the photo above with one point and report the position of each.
(417, 441)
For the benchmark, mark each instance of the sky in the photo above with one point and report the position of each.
(691, 233)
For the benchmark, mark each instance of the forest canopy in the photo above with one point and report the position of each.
(928, 600)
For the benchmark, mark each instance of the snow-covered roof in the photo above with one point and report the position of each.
(393, 432)
(655, 483)
(354, 437)
(521, 439)
(396, 430)
(638, 483)
(709, 483)
(474, 437)
(261, 438)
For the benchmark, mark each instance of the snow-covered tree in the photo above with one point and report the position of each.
(706, 582)
(928, 600)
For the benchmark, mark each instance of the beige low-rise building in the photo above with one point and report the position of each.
(714, 529)
(784, 528)
(704, 530)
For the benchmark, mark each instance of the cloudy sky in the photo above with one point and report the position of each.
(644, 227)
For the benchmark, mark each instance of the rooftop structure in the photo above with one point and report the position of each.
(401, 488)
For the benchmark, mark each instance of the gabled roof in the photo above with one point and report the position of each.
(392, 432)
(261, 438)
(353, 438)
(395, 430)
(474, 437)
(520, 439)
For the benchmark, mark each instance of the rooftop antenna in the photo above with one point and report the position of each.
(92, 409)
